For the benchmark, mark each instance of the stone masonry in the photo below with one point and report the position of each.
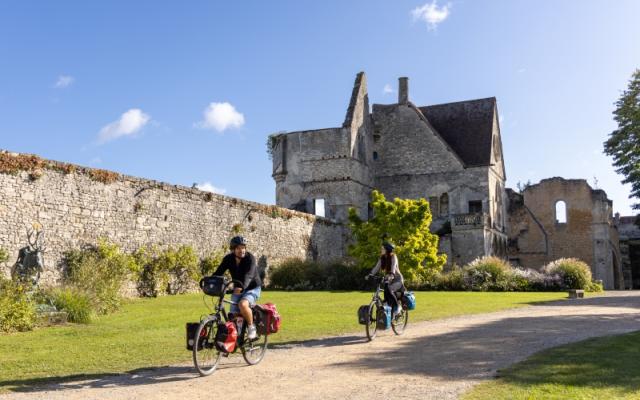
(542, 230)
(450, 154)
(73, 209)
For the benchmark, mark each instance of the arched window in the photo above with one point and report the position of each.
(561, 212)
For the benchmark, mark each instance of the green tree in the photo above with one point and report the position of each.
(403, 222)
(624, 143)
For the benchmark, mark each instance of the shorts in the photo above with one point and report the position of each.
(251, 296)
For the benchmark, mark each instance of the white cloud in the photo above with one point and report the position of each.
(208, 187)
(387, 89)
(221, 116)
(63, 81)
(431, 14)
(129, 124)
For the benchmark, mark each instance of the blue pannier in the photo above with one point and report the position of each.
(409, 300)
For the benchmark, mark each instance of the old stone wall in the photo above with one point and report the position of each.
(75, 209)
(537, 235)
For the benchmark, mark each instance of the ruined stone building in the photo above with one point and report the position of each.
(565, 218)
(450, 154)
(629, 233)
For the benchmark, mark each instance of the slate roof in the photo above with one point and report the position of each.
(467, 126)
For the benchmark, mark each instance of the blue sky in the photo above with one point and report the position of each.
(187, 92)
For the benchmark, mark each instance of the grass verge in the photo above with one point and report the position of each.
(599, 368)
(151, 333)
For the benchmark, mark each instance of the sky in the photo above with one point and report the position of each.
(187, 92)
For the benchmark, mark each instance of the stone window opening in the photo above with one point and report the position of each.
(444, 205)
(561, 212)
(318, 207)
(375, 155)
(475, 207)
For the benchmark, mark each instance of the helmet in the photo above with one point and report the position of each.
(236, 241)
(388, 247)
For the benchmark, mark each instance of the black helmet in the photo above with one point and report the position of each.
(388, 247)
(236, 241)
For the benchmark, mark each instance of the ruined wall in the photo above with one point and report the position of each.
(589, 234)
(74, 209)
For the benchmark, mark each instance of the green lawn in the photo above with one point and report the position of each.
(601, 368)
(150, 332)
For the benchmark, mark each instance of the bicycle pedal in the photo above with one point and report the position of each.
(225, 354)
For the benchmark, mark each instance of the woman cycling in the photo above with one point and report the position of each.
(243, 269)
(388, 262)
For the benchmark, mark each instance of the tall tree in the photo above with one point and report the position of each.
(403, 222)
(624, 143)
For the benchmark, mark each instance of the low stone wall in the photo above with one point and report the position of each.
(77, 205)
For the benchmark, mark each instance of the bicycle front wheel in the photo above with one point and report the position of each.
(371, 325)
(399, 322)
(205, 355)
(254, 350)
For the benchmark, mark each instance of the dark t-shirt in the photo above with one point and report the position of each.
(246, 272)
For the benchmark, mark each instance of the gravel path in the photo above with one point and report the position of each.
(433, 360)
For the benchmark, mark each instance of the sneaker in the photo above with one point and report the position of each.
(252, 333)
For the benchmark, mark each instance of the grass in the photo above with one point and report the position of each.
(600, 368)
(151, 332)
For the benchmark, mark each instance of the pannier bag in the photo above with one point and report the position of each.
(192, 328)
(362, 314)
(268, 320)
(409, 300)
(384, 317)
(226, 337)
(212, 285)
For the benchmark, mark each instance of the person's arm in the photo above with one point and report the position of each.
(222, 268)
(395, 267)
(376, 269)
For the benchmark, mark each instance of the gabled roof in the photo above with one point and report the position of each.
(467, 126)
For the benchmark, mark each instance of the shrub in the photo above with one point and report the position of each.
(17, 311)
(575, 274)
(100, 272)
(167, 272)
(210, 263)
(4, 255)
(487, 273)
(76, 303)
(297, 274)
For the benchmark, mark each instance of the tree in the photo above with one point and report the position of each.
(624, 143)
(403, 222)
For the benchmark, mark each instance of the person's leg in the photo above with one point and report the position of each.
(390, 298)
(245, 311)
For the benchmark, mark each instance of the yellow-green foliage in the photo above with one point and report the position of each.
(169, 271)
(575, 274)
(75, 302)
(210, 263)
(4, 255)
(405, 222)
(17, 311)
(100, 272)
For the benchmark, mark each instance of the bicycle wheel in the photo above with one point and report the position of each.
(254, 350)
(205, 355)
(399, 322)
(372, 321)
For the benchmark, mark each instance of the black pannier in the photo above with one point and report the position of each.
(212, 285)
(192, 329)
(362, 314)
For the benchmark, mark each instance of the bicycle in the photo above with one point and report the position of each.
(206, 355)
(398, 322)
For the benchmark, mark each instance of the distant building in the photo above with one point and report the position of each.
(450, 154)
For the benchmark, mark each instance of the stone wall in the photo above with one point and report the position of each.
(589, 234)
(73, 209)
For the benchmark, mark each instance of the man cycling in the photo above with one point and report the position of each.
(243, 269)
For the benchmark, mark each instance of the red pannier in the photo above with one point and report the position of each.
(226, 337)
(268, 319)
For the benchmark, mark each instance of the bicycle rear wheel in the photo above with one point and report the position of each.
(205, 355)
(399, 323)
(371, 325)
(254, 350)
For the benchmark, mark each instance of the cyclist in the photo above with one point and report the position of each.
(243, 269)
(388, 262)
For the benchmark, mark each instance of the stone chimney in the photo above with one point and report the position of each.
(403, 90)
